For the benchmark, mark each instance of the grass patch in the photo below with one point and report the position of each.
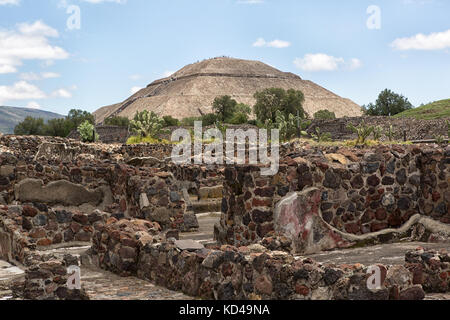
(436, 110)
(147, 140)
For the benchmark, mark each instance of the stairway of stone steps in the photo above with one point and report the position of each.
(208, 214)
(104, 285)
(8, 274)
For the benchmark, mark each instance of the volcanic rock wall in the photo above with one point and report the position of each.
(345, 193)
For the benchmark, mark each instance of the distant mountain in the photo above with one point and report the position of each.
(11, 116)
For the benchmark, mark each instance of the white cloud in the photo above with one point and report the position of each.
(50, 75)
(9, 2)
(31, 76)
(28, 42)
(355, 64)
(103, 1)
(21, 90)
(433, 41)
(33, 105)
(62, 93)
(135, 89)
(250, 1)
(324, 62)
(279, 44)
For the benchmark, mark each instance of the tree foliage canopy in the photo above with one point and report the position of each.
(324, 115)
(271, 100)
(388, 103)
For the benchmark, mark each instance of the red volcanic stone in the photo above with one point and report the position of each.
(373, 181)
(81, 218)
(261, 183)
(28, 211)
(75, 227)
(414, 293)
(436, 196)
(381, 214)
(227, 269)
(123, 205)
(264, 285)
(38, 233)
(262, 230)
(375, 226)
(44, 242)
(127, 253)
(301, 289)
(353, 228)
(395, 220)
(262, 202)
(57, 238)
(259, 216)
(265, 192)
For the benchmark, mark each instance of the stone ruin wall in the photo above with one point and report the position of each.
(107, 134)
(253, 273)
(415, 176)
(351, 193)
(416, 129)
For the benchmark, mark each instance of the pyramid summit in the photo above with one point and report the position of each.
(191, 91)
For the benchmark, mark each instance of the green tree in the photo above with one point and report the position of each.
(224, 107)
(388, 103)
(169, 121)
(87, 132)
(77, 117)
(324, 115)
(117, 121)
(30, 127)
(271, 100)
(146, 124)
(57, 128)
(209, 119)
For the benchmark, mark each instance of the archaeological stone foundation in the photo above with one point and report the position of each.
(134, 211)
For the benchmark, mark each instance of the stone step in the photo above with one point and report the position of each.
(104, 285)
(207, 206)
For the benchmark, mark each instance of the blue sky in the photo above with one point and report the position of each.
(122, 45)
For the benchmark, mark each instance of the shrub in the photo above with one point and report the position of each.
(377, 132)
(321, 136)
(390, 133)
(288, 126)
(30, 126)
(209, 119)
(324, 115)
(362, 130)
(146, 124)
(87, 132)
(439, 139)
(169, 121)
(118, 121)
(239, 118)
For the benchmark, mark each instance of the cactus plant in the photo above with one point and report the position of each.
(362, 130)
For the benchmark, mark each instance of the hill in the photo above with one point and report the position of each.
(435, 110)
(191, 91)
(11, 116)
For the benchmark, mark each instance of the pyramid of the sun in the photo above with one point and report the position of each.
(191, 90)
